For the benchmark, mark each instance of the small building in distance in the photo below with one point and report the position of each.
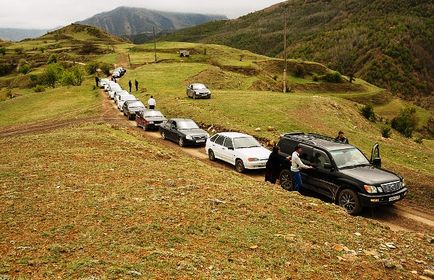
(184, 53)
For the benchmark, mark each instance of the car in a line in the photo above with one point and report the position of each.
(118, 72)
(341, 172)
(113, 90)
(150, 119)
(103, 82)
(198, 91)
(238, 149)
(131, 108)
(118, 95)
(184, 132)
(123, 98)
(107, 85)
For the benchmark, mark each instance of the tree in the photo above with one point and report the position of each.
(406, 122)
(2, 50)
(368, 112)
(52, 59)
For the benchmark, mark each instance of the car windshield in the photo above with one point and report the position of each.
(153, 114)
(137, 104)
(187, 124)
(128, 97)
(349, 158)
(245, 142)
(199, 86)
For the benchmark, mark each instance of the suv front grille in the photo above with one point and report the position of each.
(199, 137)
(391, 187)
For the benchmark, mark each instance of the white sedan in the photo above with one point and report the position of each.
(123, 98)
(241, 150)
(113, 90)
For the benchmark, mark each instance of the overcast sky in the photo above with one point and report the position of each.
(54, 13)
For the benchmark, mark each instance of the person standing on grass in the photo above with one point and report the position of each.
(97, 81)
(296, 166)
(136, 83)
(341, 138)
(130, 85)
(152, 103)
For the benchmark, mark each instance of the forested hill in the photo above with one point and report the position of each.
(389, 43)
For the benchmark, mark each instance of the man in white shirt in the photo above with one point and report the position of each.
(296, 165)
(152, 103)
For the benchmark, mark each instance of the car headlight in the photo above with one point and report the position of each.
(188, 137)
(370, 189)
(253, 159)
(403, 183)
(207, 135)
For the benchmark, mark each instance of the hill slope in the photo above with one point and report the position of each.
(388, 43)
(132, 21)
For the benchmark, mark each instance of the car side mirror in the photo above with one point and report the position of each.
(376, 162)
(328, 166)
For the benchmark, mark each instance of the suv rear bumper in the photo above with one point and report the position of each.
(370, 200)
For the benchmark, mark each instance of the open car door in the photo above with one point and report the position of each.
(375, 156)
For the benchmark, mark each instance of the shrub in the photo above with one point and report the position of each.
(368, 112)
(73, 76)
(51, 75)
(315, 78)
(91, 68)
(419, 140)
(386, 131)
(24, 69)
(52, 59)
(19, 50)
(6, 68)
(105, 68)
(406, 122)
(42, 49)
(333, 77)
(2, 50)
(39, 88)
(299, 71)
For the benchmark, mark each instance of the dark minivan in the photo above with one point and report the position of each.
(342, 172)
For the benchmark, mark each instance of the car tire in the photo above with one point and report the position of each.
(194, 95)
(349, 200)
(285, 180)
(146, 128)
(181, 142)
(239, 166)
(163, 135)
(211, 155)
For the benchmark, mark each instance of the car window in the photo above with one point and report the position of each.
(349, 158)
(286, 147)
(187, 124)
(306, 153)
(212, 139)
(246, 142)
(173, 125)
(220, 140)
(228, 143)
(320, 159)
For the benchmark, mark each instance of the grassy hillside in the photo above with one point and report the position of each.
(387, 43)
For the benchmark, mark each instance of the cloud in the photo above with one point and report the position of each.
(49, 13)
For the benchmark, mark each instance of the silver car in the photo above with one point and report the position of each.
(198, 91)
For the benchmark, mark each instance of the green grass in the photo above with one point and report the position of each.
(53, 104)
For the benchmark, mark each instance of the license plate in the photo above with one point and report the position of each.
(200, 141)
(394, 198)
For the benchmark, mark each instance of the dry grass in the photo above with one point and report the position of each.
(100, 201)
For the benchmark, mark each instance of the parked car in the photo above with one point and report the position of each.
(123, 98)
(342, 172)
(114, 88)
(130, 108)
(103, 82)
(241, 150)
(118, 72)
(184, 132)
(198, 91)
(108, 84)
(150, 119)
(118, 94)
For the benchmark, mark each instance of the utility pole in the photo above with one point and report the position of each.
(155, 44)
(285, 70)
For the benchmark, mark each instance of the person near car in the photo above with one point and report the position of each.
(97, 81)
(136, 83)
(273, 167)
(130, 85)
(152, 103)
(296, 166)
(341, 138)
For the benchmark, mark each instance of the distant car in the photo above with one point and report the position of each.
(198, 91)
(150, 119)
(118, 72)
(123, 98)
(107, 85)
(114, 89)
(103, 82)
(130, 108)
(241, 150)
(184, 132)
(118, 94)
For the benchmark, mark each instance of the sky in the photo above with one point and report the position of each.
(46, 14)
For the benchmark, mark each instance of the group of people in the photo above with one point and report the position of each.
(136, 84)
(275, 162)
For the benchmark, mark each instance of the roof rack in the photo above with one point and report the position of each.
(323, 137)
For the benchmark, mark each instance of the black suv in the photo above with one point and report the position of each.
(342, 172)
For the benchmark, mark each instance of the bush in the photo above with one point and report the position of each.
(315, 78)
(73, 76)
(419, 140)
(6, 68)
(91, 68)
(19, 50)
(406, 122)
(368, 112)
(386, 131)
(2, 50)
(39, 88)
(51, 75)
(105, 68)
(299, 71)
(24, 69)
(333, 77)
(52, 59)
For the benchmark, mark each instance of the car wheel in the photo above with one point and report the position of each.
(349, 201)
(163, 135)
(211, 155)
(194, 96)
(145, 127)
(285, 180)
(181, 142)
(239, 166)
